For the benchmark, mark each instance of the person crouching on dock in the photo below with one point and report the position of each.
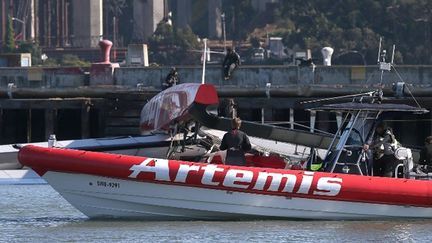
(171, 79)
(230, 63)
(236, 143)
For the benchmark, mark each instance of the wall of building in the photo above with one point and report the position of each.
(87, 23)
(147, 14)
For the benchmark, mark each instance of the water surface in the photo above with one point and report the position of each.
(36, 213)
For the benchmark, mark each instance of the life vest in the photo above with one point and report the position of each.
(316, 166)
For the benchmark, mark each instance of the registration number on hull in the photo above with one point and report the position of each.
(108, 184)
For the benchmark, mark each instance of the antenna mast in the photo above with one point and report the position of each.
(383, 65)
(379, 51)
(204, 61)
(393, 53)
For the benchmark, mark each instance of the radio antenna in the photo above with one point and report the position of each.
(379, 51)
(204, 62)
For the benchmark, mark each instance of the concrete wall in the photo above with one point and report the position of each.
(254, 76)
(42, 77)
(86, 22)
(244, 77)
(146, 14)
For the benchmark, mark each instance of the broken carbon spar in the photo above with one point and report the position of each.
(300, 137)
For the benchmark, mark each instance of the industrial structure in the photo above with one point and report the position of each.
(81, 23)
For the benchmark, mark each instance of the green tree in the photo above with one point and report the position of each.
(351, 25)
(9, 45)
(171, 46)
(239, 20)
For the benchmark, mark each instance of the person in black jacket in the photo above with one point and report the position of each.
(230, 63)
(236, 143)
(425, 160)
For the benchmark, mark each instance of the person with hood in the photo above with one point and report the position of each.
(236, 143)
(230, 63)
(171, 79)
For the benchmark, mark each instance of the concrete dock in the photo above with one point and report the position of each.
(35, 102)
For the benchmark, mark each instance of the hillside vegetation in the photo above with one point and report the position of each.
(345, 25)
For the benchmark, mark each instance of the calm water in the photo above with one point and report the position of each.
(39, 214)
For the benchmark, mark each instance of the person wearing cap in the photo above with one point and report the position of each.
(171, 79)
(236, 143)
(383, 146)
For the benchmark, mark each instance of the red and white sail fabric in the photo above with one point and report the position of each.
(260, 181)
(171, 105)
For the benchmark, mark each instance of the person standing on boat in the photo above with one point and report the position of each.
(425, 160)
(236, 143)
(230, 63)
(171, 79)
(384, 145)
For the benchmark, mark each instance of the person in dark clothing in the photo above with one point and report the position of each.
(236, 143)
(384, 145)
(230, 63)
(171, 79)
(425, 161)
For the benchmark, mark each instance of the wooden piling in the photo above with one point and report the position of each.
(50, 120)
(29, 125)
(85, 120)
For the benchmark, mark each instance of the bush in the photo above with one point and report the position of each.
(73, 61)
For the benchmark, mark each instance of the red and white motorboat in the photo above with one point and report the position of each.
(105, 185)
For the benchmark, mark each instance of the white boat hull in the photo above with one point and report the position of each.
(101, 197)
